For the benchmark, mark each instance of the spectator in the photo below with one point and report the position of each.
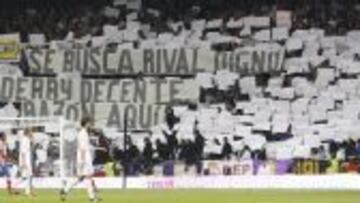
(148, 156)
(199, 144)
(322, 155)
(170, 131)
(226, 151)
(350, 149)
(132, 159)
(334, 165)
(110, 169)
(341, 155)
(333, 147)
(83, 17)
(351, 166)
(162, 151)
(245, 153)
(183, 149)
(133, 151)
(102, 151)
(187, 153)
(258, 154)
(358, 148)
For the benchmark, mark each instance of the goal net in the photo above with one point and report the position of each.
(48, 146)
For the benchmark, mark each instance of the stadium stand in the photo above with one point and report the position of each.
(299, 116)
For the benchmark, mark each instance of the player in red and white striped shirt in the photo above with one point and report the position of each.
(4, 165)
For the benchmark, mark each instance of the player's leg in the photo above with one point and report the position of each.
(22, 183)
(94, 185)
(4, 171)
(89, 184)
(17, 184)
(27, 186)
(88, 171)
(29, 189)
(8, 185)
(92, 190)
(26, 174)
(69, 187)
(8, 180)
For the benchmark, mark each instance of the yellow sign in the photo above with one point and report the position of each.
(9, 50)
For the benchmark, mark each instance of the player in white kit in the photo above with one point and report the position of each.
(25, 160)
(85, 169)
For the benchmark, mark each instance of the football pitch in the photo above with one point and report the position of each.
(193, 196)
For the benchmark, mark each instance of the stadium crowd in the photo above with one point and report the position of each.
(191, 152)
(85, 18)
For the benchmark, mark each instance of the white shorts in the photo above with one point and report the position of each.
(85, 169)
(26, 172)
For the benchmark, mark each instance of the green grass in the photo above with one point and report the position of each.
(194, 196)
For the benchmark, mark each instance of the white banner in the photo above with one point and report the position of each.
(7, 69)
(116, 61)
(111, 115)
(146, 91)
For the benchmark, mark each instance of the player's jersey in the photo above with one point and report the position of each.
(3, 153)
(83, 144)
(25, 156)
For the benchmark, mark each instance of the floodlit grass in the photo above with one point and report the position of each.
(193, 196)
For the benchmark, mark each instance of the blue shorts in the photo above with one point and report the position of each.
(5, 170)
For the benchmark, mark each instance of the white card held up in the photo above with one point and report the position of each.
(247, 84)
(276, 81)
(246, 31)
(37, 39)
(324, 77)
(205, 80)
(132, 16)
(262, 36)
(224, 79)
(110, 30)
(153, 12)
(279, 127)
(262, 126)
(111, 12)
(165, 38)
(294, 44)
(283, 18)
(243, 131)
(198, 25)
(257, 22)
(255, 142)
(280, 33)
(302, 151)
(296, 65)
(134, 4)
(214, 24)
(232, 23)
(119, 2)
